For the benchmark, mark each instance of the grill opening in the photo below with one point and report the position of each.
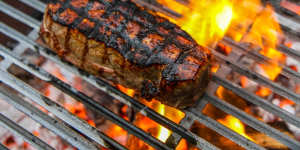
(47, 103)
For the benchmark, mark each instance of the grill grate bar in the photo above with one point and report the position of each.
(18, 130)
(16, 35)
(283, 114)
(175, 138)
(254, 123)
(283, 10)
(51, 106)
(56, 126)
(99, 137)
(200, 142)
(257, 56)
(19, 15)
(260, 79)
(106, 87)
(98, 83)
(288, 25)
(290, 52)
(221, 129)
(35, 4)
(2, 147)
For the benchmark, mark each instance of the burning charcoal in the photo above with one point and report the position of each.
(33, 57)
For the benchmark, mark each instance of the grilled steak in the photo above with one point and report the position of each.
(128, 45)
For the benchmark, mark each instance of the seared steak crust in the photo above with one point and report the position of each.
(127, 45)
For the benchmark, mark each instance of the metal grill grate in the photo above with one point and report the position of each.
(73, 136)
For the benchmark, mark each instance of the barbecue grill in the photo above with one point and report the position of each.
(71, 128)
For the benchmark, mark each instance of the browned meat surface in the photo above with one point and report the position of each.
(125, 44)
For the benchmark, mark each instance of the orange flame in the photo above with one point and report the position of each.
(265, 32)
(148, 125)
(209, 27)
(128, 91)
(247, 21)
(206, 28)
(235, 124)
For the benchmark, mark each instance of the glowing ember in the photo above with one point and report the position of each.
(224, 48)
(293, 7)
(215, 68)
(285, 102)
(146, 124)
(79, 110)
(182, 145)
(117, 133)
(235, 124)
(263, 91)
(129, 92)
(244, 81)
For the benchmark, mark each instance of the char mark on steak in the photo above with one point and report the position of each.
(128, 45)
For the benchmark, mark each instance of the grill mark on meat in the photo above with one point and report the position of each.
(115, 39)
(113, 19)
(68, 50)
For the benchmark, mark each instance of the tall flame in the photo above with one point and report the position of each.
(207, 21)
(235, 124)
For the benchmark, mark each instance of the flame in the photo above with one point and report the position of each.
(209, 27)
(230, 121)
(265, 32)
(206, 28)
(244, 21)
(215, 68)
(163, 133)
(174, 5)
(147, 124)
(235, 124)
(128, 91)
